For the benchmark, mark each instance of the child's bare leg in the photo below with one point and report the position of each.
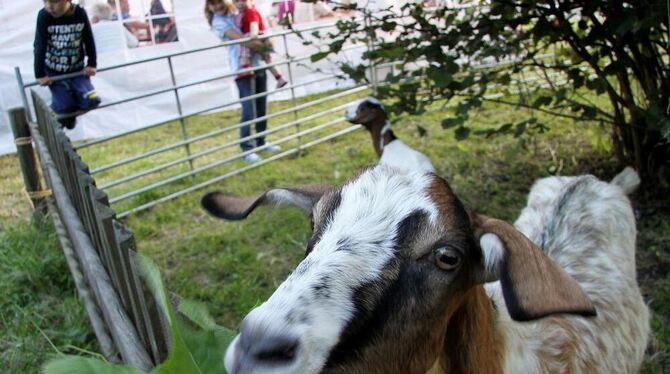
(281, 82)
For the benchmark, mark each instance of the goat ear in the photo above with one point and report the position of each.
(533, 286)
(234, 208)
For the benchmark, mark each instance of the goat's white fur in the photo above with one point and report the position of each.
(584, 225)
(375, 193)
(396, 154)
(493, 251)
(401, 156)
(592, 237)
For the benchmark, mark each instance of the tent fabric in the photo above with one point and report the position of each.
(17, 28)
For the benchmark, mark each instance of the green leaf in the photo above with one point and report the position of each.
(318, 56)
(626, 25)
(542, 101)
(520, 129)
(452, 122)
(462, 133)
(504, 128)
(356, 73)
(84, 365)
(336, 46)
(439, 77)
(388, 26)
(613, 68)
(589, 112)
(504, 78)
(665, 128)
(394, 52)
(180, 359)
(596, 84)
(197, 342)
(451, 67)
(560, 95)
(577, 77)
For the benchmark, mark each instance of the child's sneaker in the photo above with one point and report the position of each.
(68, 122)
(92, 100)
(281, 82)
(252, 157)
(272, 148)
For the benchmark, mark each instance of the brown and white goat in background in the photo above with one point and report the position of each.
(369, 112)
(395, 281)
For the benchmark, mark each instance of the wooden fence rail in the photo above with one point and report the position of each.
(100, 249)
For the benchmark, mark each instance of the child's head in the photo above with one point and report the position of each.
(100, 12)
(244, 4)
(57, 8)
(224, 7)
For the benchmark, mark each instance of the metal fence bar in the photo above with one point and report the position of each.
(290, 75)
(196, 50)
(201, 185)
(22, 89)
(201, 137)
(23, 86)
(373, 78)
(182, 122)
(215, 164)
(192, 114)
(203, 153)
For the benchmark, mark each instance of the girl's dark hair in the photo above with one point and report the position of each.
(208, 13)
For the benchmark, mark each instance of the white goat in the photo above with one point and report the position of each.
(370, 113)
(394, 281)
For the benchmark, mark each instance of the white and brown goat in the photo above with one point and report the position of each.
(395, 281)
(369, 112)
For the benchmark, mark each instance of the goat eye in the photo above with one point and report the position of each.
(447, 258)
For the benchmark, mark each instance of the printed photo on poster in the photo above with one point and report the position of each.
(131, 23)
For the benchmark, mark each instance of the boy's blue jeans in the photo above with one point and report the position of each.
(73, 94)
(252, 109)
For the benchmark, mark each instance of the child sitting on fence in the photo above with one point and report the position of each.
(63, 39)
(251, 23)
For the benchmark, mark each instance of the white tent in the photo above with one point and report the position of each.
(17, 28)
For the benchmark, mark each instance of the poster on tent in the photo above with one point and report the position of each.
(145, 22)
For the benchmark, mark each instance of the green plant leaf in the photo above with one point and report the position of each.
(452, 122)
(520, 129)
(84, 365)
(462, 133)
(542, 101)
(197, 342)
(318, 56)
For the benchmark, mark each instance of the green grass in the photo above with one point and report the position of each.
(39, 310)
(234, 266)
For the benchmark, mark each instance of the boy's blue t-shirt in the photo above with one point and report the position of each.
(220, 25)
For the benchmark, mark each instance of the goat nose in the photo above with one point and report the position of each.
(275, 350)
(259, 349)
(350, 113)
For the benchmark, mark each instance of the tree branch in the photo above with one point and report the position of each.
(498, 101)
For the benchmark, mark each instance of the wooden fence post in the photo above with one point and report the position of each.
(27, 160)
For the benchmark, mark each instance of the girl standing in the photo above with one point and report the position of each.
(221, 15)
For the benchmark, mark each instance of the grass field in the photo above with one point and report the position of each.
(234, 266)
